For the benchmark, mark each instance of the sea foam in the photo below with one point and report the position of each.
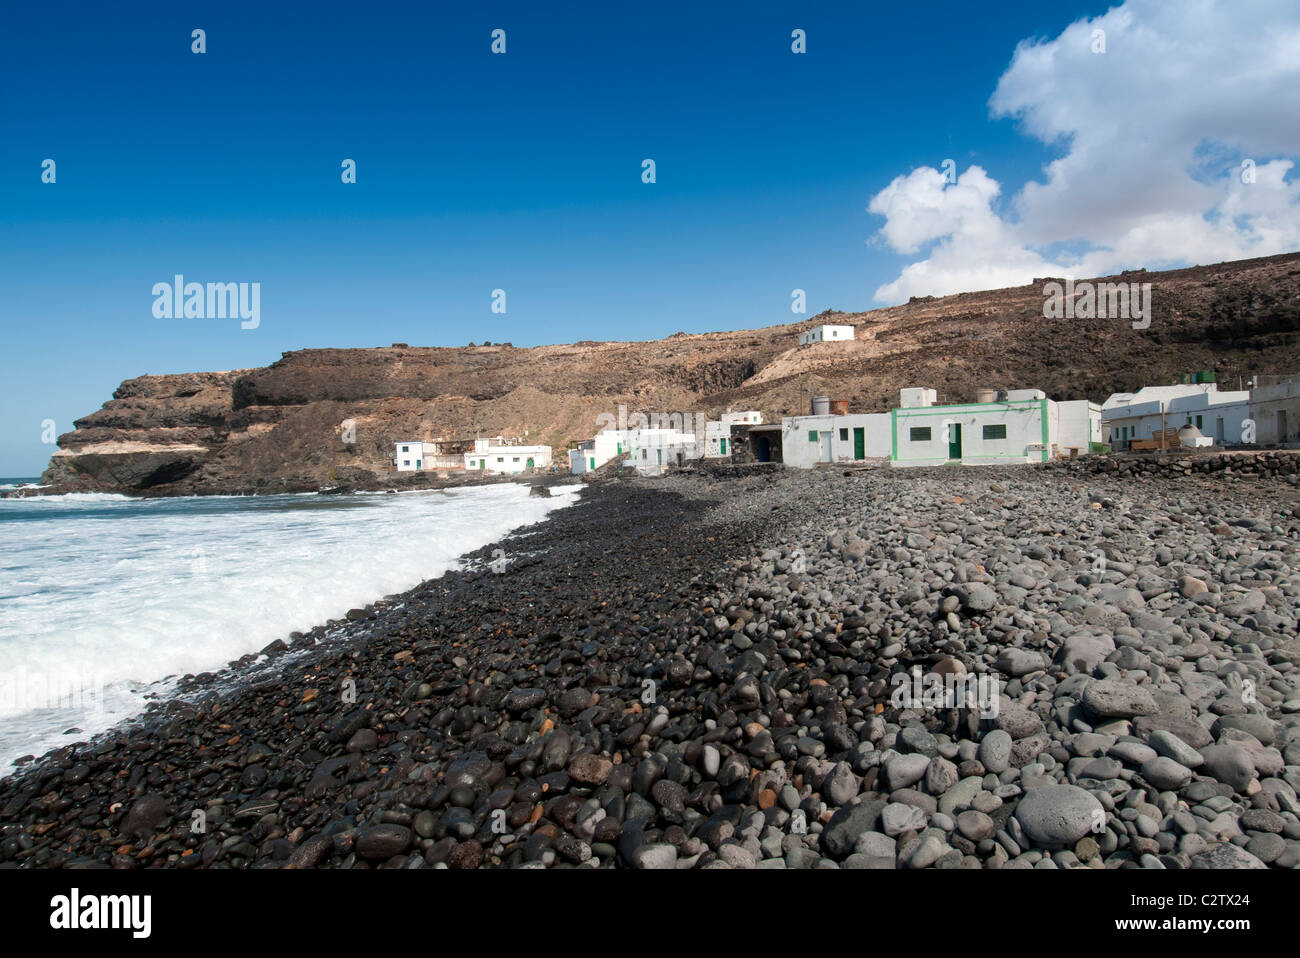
(102, 596)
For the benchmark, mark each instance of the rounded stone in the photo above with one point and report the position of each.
(1054, 816)
(590, 769)
(995, 751)
(975, 825)
(382, 841)
(1166, 774)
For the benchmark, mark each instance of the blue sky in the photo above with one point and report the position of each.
(474, 172)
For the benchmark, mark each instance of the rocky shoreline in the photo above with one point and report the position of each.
(721, 672)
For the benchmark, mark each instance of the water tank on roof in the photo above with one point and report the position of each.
(986, 395)
(821, 405)
(839, 407)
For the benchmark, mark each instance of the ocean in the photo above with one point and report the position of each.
(105, 598)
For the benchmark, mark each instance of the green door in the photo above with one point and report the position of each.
(530, 464)
(593, 463)
(954, 441)
(859, 444)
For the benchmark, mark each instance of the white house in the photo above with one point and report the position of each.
(1076, 426)
(593, 453)
(717, 440)
(717, 435)
(489, 456)
(1153, 409)
(808, 440)
(1020, 425)
(410, 456)
(651, 452)
(1275, 408)
(825, 334)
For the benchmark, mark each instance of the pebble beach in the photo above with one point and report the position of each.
(720, 671)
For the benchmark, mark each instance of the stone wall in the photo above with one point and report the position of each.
(1277, 463)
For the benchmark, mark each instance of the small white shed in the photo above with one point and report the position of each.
(826, 334)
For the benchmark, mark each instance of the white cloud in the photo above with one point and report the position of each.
(1153, 132)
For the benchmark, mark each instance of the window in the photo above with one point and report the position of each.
(406, 462)
(844, 435)
(995, 432)
(501, 459)
(406, 449)
(812, 435)
(920, 434)
(515, 459)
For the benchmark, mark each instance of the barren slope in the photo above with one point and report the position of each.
(279, 427)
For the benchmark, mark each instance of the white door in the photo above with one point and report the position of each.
(825, 447)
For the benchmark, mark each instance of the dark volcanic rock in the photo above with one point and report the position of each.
(702, 672)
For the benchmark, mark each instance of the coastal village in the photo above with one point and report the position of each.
(990, 570)
(1001, 427)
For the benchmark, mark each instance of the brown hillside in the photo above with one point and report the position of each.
(278, 427)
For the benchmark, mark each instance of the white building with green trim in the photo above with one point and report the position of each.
(809, 440)
(410, 456)
(652, 452)
(490, 456)
(1151, 410)
(595, 452)
(1023, 425)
